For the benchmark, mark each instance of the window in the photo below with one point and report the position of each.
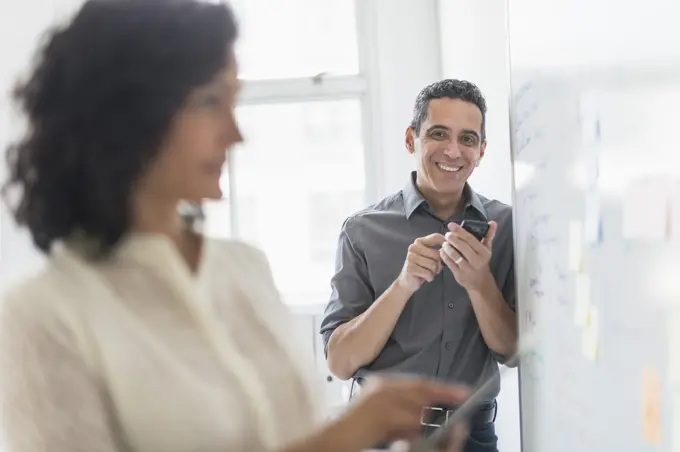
(296, 38)
(301, 169)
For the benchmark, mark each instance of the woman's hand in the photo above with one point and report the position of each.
(456, 442)
(459, 436)
(391, 409)
(387, 410)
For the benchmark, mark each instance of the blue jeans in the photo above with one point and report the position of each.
(482, 439)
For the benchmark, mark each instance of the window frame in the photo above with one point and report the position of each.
(326, 86)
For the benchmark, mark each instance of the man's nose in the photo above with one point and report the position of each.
(452, 151)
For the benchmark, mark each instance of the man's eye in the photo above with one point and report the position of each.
(438, 135)
(469, 140)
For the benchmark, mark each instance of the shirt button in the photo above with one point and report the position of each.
(448, 345)
(451, 305)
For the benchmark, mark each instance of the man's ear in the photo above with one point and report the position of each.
(482, 149)
(409, 140)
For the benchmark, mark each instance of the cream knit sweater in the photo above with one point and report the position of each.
(138, 354)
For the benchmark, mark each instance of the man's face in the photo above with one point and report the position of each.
(449, 145)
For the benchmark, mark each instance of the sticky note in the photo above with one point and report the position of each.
(651, 405)
(576, 245)
(590, 339)
(582, 300)
(593, 224)
(646, 209)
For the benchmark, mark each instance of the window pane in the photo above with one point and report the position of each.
(296, 38)
(299, 174)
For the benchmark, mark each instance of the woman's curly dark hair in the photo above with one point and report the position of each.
(99, 106)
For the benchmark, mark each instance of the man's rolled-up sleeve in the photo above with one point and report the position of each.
(509, 292)
(352, 293)
(509, 289)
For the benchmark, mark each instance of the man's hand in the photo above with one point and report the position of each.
(422, 263)
(467, 257)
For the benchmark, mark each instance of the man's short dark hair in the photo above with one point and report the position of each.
(451, 89)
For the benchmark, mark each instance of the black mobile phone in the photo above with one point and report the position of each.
(475, 227)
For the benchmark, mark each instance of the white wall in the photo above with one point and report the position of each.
(474, 46)
(473, 34)
(403, 58)
(20, 25)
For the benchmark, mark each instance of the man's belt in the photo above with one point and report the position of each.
(436, 416)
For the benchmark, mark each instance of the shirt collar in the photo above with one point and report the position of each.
(413, 198)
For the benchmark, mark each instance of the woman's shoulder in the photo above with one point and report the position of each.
(231, 246)
(53, 295)
(30, 292)
(233, 265)
(237, 254)
(39, 304)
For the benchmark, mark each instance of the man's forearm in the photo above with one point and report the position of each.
(359, 341)
(496, 320)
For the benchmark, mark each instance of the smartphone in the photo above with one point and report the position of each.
(477, 228)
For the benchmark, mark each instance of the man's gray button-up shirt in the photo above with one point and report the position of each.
(437, 334)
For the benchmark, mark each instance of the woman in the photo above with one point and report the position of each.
(140, 334)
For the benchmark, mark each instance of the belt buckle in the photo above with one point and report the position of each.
(428, 409)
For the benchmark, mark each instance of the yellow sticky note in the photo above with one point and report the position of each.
(576, 244)
(582, 300)
(591, 334)
(651, 405)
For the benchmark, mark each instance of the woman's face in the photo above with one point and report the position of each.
(190, 164)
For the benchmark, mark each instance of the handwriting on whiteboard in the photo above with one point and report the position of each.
(526, 106)
(532, 366)
(545, 276)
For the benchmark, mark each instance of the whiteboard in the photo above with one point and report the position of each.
(595, 125)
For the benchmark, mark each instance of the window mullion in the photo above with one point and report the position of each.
(323, 87)
(367, 41)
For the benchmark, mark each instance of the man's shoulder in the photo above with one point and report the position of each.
(496, 210)
(387, 209)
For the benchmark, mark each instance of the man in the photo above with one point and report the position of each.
(413, 291)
